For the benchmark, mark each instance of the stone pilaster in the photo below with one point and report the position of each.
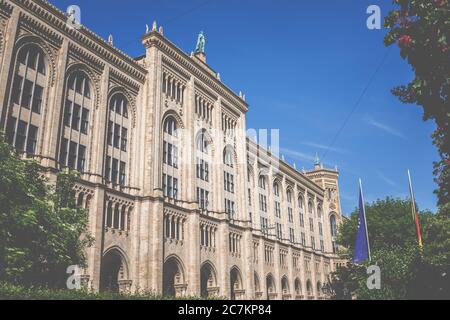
(192, 244)
(96, 224)
(6, 69)
(223, 272)
(98, 135)
(52, 114)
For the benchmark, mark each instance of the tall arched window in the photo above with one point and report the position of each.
(276, 189)
(334, 233)
(203, 161)
(320, 225)
(262, 182)
(311, 224)
(228, 181)
(277, 200)
(27, 98)
(289, 206)
(262, 186)
(117, 138)
(301, 206)
(77, 112)
(170, 158)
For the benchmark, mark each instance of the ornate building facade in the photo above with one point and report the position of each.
(172, 206)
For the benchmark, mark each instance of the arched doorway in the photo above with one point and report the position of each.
(114, 272)
(270, 286)
(285, 288)
(309, 289)
(298, 288)
(208, 280)
(173, 278)
(236, 289)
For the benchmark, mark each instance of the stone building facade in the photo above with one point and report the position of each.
(179, 201)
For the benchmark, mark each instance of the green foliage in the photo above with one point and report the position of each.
(406, 271)
(421, 28)
(42, 231)
(10, 291)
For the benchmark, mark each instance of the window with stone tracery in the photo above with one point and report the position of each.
(174, 226)
(29, 84)
(203, 108)
(170, 178)
(203, 161)
(117, 140)
(118, 216)
(173, 88)
(208, 235)
(76, 133)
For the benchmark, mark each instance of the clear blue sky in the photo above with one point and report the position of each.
(302, 65)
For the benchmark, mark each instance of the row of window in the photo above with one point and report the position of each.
(29, 84)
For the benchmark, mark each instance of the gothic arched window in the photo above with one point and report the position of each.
(77, 113)
(27, 99)
(170, 158)
(334, 233)
(117, 140)
(203, 161)
(228, 181)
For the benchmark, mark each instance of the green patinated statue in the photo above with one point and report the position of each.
(201, 41)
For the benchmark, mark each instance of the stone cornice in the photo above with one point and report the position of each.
(5, 9)
(155, 39)
(84, 37)
(286, 169)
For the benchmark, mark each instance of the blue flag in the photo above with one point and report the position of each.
(362, 250)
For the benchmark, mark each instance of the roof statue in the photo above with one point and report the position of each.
(201, 42)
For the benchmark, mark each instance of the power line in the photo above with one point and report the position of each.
(358, 102)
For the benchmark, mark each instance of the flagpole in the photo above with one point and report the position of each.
(365, 219)
(415, 214)
(413, 201)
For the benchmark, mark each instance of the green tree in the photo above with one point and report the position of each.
(421, 28)
(406, 271)
(42, 231)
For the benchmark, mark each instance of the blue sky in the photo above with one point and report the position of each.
(303, 65)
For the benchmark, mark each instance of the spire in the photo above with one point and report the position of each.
(317, 164)
(154, 26)
(317, 160)
(111, 40)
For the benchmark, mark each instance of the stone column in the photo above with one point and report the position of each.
(192, 247)
(277, 273)
(248, 269)
(52, 114)
(223, 272)
(261, 271)
(290, 274)
(98, 135)
(156, 241)
(303, 277)
(96, 223)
